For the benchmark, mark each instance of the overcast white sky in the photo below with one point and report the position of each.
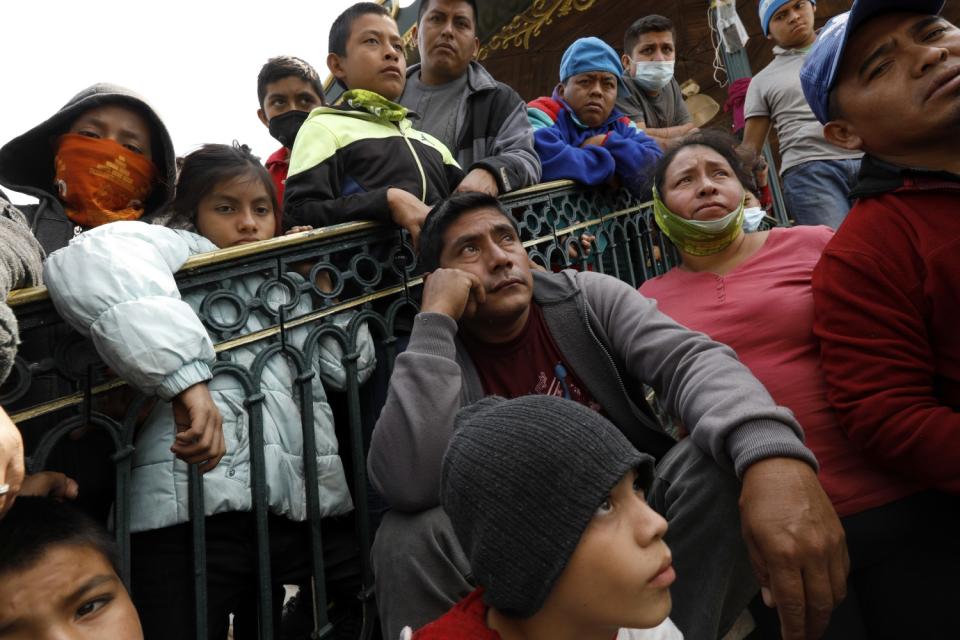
(196, 61)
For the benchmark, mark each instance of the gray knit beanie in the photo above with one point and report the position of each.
(521, 480)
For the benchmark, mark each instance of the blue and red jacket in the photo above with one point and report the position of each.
(627, 152)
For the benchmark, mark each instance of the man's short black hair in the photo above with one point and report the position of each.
(652, 23)
(425, 4)
(283, 67)
(35, 525)
(445, 213)
(340, 29)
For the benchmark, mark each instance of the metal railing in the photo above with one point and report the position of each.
(60, 389)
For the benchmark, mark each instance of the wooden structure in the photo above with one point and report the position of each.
(523, 40)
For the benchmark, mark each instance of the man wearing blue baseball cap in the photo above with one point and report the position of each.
(885, 78)
(817, 176)
(579, 134)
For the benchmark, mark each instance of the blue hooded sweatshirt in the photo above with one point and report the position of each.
(626, 152)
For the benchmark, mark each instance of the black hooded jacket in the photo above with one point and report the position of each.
(26, 162)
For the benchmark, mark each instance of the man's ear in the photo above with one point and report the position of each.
(336, 66)
(842, 134)
(414, 36)
(263, 117)
(560, 88)
(626, 61)
(476, 48)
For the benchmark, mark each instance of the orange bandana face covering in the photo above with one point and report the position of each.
(101, 181)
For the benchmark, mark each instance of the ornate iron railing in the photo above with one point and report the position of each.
(60, 390)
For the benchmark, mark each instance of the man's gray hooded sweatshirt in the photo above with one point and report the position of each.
(26, 163)
(614, 339)
(492, 129)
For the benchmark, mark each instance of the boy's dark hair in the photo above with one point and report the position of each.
(652, 23)
(425, 4)
(445, 213)
(208, 166)
(722, 143)
(34, 525)
(282, 67)
(340, 29)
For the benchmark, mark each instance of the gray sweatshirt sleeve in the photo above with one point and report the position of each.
(417, 420)
(728, 412)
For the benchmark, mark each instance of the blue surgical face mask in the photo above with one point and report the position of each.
(653, 75)
(752, 217)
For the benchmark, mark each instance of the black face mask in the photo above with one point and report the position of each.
(285, 126)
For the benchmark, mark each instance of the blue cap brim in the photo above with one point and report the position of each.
(819, 73)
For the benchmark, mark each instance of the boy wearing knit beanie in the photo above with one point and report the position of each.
(547, 498)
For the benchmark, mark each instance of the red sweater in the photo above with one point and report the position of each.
(887, 312)
(277, 164)
(467, 620)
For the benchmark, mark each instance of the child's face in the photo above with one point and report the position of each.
(591, 96)
(288, 94)
(375, 60)
(910, 64)
(792, 25)
(236, 211)
(620, 573)
(71, 593)
(118, 123)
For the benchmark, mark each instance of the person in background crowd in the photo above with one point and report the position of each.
(104, 156)
(578, 132)
(652, 98)
(817, 176)
(579, 567)
(483, 122)
(886, 298)
(362, 159)
(488, 326)
(21, 265)
(59, 577)
(753, 292)
(227, 196)
(288, 89)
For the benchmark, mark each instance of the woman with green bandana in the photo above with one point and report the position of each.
(752, 291)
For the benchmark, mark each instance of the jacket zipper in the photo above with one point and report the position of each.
(416, 158)
(623, 388)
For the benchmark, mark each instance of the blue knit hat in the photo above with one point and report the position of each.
(819, 72)
(587, 55)
(770, 7)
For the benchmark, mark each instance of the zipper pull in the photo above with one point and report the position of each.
(561, 373)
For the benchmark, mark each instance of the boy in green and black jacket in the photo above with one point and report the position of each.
(362, 159)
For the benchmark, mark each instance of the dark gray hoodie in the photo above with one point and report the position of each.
(26, 162)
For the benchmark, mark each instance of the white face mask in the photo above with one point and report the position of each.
(717, 225)
(653, 75)
(752, 218)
